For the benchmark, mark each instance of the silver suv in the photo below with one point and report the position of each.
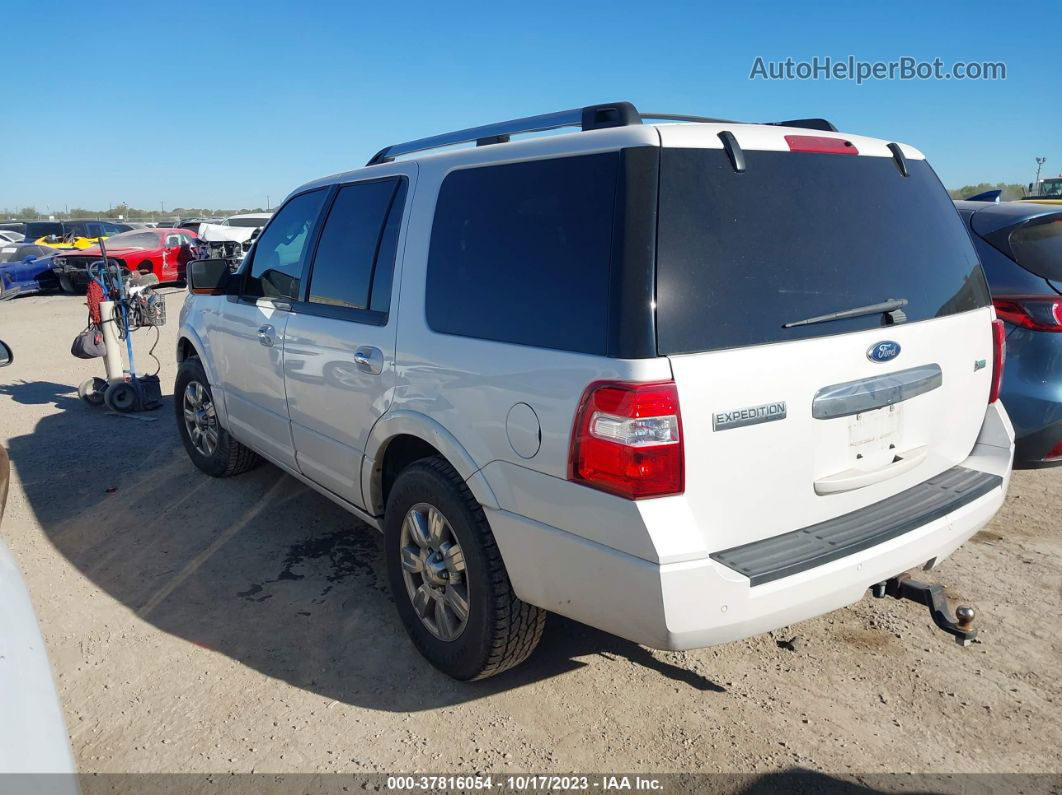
(685, 381)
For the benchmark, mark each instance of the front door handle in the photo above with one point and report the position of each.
(267, 335)
(369, 359)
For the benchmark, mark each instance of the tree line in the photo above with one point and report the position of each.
(1011, 191)
(125, 211)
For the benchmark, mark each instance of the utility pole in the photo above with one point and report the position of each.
(1039, 164)
(267, 202)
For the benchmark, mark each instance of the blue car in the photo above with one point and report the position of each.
(1020, 246)
(26, 268)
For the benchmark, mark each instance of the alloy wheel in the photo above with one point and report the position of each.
(200, 419)
(433, 568)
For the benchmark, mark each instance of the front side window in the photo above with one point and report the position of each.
(280, 252)
(347, 255)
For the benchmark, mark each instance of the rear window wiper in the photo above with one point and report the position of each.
(891, 307)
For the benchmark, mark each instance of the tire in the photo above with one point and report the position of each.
(499, 630)
(66, 285)
(225, 456)
(120, 397)
(92, 391)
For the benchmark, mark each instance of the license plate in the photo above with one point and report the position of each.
(874, 431)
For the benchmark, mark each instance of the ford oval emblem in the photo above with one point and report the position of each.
(884, 351)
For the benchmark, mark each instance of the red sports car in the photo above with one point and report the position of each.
(164, 252)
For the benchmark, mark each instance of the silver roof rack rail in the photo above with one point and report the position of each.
(592, 117)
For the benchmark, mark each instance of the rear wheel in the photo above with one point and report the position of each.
(448, 579)
(210, 446)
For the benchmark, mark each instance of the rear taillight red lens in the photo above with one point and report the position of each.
(627, 439)
(820, 144)
(1055, 454)
(999, 358)
(1036, 312)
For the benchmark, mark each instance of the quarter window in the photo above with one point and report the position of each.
(521, 253)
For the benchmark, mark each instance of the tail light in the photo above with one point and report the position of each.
(1036, 313)
(627, 440)
(999, 358)
(1054, 455)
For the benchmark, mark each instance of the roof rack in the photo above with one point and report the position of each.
(591, 117)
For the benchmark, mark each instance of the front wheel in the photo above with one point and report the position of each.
(210, 446)
(448, 579)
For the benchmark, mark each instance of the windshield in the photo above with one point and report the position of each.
(797, 236)
(19, 253)
(134, 240)
(1037, 247)
(1051, 187)
(247, 222)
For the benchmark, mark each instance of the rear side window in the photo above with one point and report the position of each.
(279, 253)
(351, 252)
(520, 253)
(1037, 247)
(800, 235)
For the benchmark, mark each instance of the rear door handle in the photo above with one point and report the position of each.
(369, 359)
(267, 335)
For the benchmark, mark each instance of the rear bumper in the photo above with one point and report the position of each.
(702, 602)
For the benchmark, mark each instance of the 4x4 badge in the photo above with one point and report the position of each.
(884, 351)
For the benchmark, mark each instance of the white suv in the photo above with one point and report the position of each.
(684, 382)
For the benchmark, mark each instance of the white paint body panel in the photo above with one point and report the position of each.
(33, 736)
(638, 569)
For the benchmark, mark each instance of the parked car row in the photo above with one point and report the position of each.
(39, 256)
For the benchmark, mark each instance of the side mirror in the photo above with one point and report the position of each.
(6, 356)
(208, 276)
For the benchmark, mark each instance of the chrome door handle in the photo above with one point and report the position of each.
(369, 359)
(266, 335)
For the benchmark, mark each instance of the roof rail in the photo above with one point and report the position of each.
(592, 117)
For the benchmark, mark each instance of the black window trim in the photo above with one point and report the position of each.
(371, 317)
(248, 265)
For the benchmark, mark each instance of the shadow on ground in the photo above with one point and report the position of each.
(257, 567)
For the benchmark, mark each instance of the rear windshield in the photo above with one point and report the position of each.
(1038, 247)
(799, 235)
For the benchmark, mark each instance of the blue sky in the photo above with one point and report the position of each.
(221, 104)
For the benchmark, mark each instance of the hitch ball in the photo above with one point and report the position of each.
(965, 616)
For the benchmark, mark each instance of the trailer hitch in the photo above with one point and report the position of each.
(932, 596)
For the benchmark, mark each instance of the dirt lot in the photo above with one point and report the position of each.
(204, 625)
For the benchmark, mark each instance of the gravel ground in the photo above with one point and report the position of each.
(202, 625)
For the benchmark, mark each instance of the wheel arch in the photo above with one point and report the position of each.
(401, 437)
